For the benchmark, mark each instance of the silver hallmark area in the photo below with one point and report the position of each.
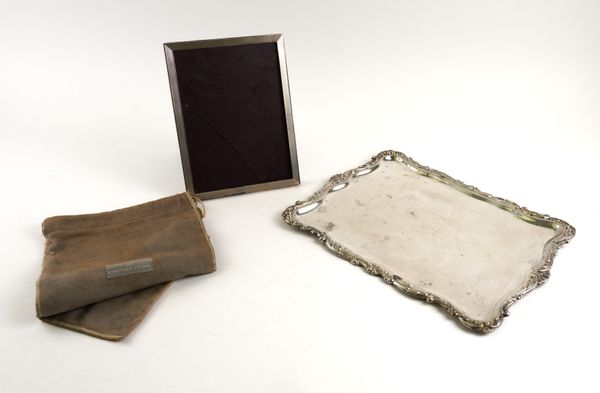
(130, 267)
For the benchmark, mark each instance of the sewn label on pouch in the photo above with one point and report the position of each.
(130, 267)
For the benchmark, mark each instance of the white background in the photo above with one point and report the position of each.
(503, 95)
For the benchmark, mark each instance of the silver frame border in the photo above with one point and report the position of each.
(170, 48)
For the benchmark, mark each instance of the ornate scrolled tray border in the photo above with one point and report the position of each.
(539, 276)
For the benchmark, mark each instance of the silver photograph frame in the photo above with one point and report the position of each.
(170, 49)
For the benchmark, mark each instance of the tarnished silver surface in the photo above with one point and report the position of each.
(558, 231)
